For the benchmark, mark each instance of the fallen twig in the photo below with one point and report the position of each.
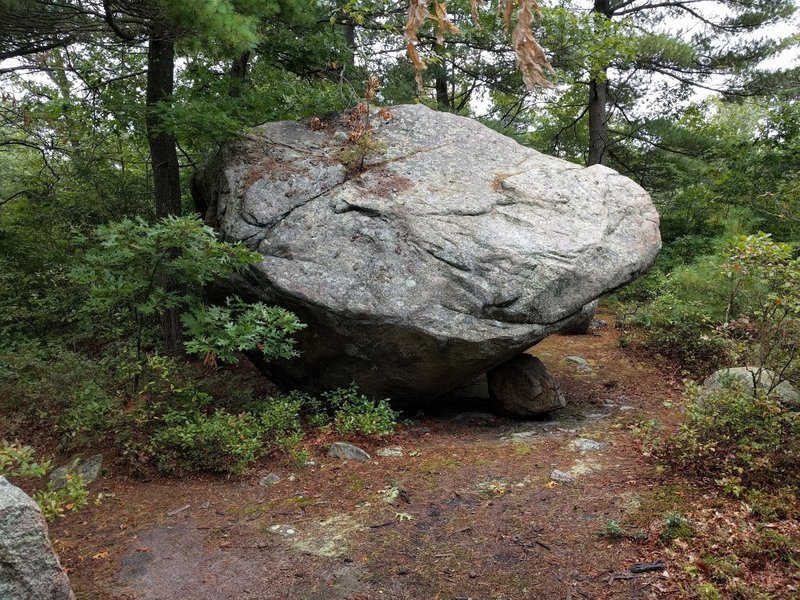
(178, 510)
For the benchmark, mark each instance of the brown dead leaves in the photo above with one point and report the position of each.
(531, 60)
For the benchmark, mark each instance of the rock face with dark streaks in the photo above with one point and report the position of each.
(454, 250)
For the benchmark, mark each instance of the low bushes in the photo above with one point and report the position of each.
(172, 423)
(735, 438)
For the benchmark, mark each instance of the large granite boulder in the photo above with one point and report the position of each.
(454, 249)
(29, 568)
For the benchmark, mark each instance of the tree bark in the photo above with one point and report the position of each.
(440, 75)
(598, 99)
(164, 160)
(163, 150)
(598, 122)
(238, 74)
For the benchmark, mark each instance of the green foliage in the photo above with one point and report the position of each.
(136, 271)
(762, 324)
(191, 440)
(220, 442)
(125, 270)
(736, 439)
(173, 423)
(613, 529)
(223, 331)
(354, 154)
(17, 460)
(739, 306)
(676, 526)
(72, 496)
(90, 416)
(682, 329)
(708, 591)
(281, 414)
(40, 382)
(355, 413)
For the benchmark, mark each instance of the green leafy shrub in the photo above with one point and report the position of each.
(221, 442)
(17, 460)
(683, 329)
(219, 332)
(762, 319)
(675, 526)
(355, 413)
(736, 439)
(740, 306)
(41, 382)
(282, 414)
(91, 415)
(72, 496)
(136, 271)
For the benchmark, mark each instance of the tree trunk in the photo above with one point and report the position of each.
(164, 159)
(238, 74)
(440, 75)
(349, 32)
(598, 122)
(163, 151)
(598, 99)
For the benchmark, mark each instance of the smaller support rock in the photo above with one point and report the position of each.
(29, 568)
(580, 323)
(347, 451)
(522, 387)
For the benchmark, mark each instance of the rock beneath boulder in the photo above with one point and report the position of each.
(347, 451)
(522, 387)
(88, 469)
(580, 323)
(29, 568)
(453, 251)
(476, 388)
(754, 378)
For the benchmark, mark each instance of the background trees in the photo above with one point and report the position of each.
(108, 105)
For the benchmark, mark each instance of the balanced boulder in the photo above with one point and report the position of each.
(446, 251)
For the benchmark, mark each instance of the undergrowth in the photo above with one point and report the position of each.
(174, 423)
(54, 500)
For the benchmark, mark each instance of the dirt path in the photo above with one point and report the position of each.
(474, 515)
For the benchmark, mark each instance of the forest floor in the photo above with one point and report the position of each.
(473, 512)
